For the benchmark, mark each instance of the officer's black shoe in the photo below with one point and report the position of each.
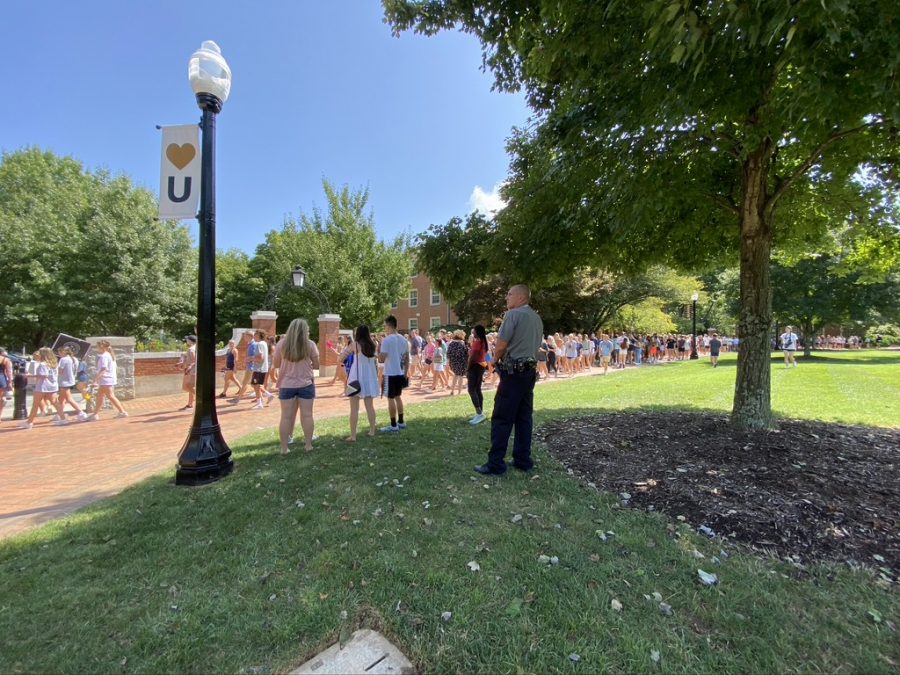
(522, 468)
(485, 470)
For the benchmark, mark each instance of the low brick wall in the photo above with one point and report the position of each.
(158, 373)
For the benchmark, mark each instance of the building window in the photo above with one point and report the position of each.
(414, 298)
(395, 304)
(435, 297)
(435, 322)
(414, 324)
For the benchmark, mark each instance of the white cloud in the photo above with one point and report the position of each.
(487, 203)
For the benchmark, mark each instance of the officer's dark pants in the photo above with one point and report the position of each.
(513, 406)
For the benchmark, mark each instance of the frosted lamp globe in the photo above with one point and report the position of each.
(208, 71)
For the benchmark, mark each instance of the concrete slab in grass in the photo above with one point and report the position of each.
(367, 652)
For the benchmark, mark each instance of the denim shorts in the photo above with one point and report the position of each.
(287, 393)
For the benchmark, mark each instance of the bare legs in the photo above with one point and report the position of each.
(107, 391)
(288, 419)
(286, 423)
(307, 422)
(369, 402)
(42, 398)
(229, 379)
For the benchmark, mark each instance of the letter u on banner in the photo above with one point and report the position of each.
(179, 183)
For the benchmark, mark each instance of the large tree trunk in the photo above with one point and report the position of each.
(752, 391)
(809, 336)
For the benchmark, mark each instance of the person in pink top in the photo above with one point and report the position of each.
(427, 364)
(297, 357)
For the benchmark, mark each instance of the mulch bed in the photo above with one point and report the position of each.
(807, 492)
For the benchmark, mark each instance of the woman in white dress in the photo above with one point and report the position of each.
(364, 370)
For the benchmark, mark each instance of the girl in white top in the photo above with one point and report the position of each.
(46, 387)
(106, 380)
(364, 369)
(68, 367)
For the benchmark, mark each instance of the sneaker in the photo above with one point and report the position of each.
(122, 414)
(401, 425)
(290, 440)
(92, 417)
(60, 423)
(478, 419)
(258, 406)
(25, 425)
(269, 398)
(390, 429)
(81, 417)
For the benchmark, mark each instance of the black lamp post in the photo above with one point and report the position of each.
(205, 457)
(694, 298)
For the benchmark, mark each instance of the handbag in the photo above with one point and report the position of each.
(353, 388)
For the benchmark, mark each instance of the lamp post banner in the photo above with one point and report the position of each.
(179, 182)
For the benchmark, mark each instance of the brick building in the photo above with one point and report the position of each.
(423, 308)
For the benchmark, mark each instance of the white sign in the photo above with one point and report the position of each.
(179, 181)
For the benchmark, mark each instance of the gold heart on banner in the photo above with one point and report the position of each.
(180, 155)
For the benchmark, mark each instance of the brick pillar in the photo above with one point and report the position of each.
(329, 327)
(123, 350)
(263, 320)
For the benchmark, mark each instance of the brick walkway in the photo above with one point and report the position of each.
(49, 471)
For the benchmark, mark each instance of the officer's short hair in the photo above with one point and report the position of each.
(523, 289)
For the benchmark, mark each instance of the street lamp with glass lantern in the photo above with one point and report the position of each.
(205, 457)
(694, 298)
(298, 277)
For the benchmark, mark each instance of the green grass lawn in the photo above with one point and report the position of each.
(286, 555)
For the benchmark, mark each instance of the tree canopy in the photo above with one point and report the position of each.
(457, 258)
(685, 132)
(357, 274)
(85, 254)
(842, 283)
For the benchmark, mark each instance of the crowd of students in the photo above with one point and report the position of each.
(377, 365)
(56, 375)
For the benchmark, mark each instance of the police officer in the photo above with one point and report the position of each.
(515, 354)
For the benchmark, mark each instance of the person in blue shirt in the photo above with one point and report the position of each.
(606, 349)
(251, 363)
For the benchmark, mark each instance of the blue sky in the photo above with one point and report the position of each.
(320, 90)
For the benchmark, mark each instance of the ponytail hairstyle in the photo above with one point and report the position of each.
(364, 339)
(67, 351)
(105, 344)
(48, 357)
(296, 341)
(481, 336)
